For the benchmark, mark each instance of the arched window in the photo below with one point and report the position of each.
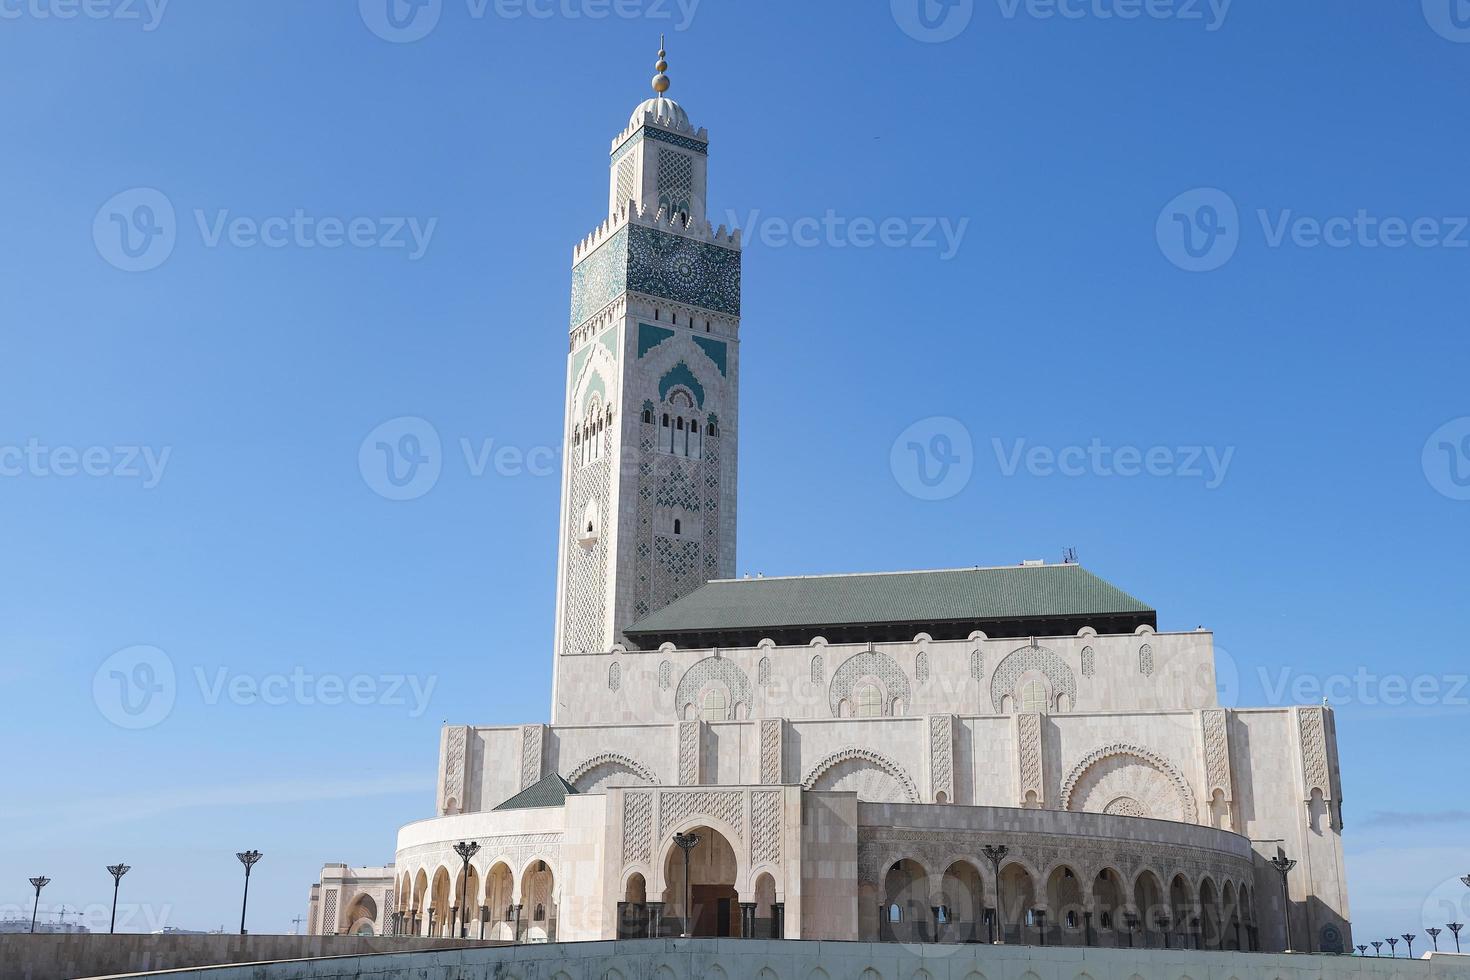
(679, 424)
(869, 701)
(648, 416)
(895, 914)
(540, 915)
(714, 705)
(678, 526)
(1033, 696)
(666, 420)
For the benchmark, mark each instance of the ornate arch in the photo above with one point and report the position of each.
(614, 759)
(874, 664)
(714, 669)
(1029, 658)
(1148, 758)
(876, 759)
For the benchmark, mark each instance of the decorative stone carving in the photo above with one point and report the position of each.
(637, 828)
(977, 664)
(773, 738)
(763, 672)
(941, 758)
(614, 762)
(1029, 658)
(1125, 806)
(1218, 776)
(819, 671)
(665, 671)
(531, 737)
(921, 667)
(454, 767)
(1146, 660)
(614, 676)
(853, 768)
(1031, 788)
(868, 664)
(584, 629)
(676, 807)
(1182, 800)
(1314, 751)
(1089, 662)
(765, 815)
(714, 670)
(689, 732)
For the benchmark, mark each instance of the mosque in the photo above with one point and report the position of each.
(1010, 754)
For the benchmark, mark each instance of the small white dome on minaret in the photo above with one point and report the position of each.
(665, 110)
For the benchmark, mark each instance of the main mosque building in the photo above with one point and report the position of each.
(1006, 754)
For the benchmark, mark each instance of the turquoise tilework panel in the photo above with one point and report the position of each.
(600, 278)
(716, 350)
(675, 268)
(594, 387)
(610, 341)
(680, 374)
(650, 337)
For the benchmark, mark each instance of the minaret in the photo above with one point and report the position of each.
(648, 480)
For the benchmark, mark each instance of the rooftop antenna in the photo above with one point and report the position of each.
(1069, 556)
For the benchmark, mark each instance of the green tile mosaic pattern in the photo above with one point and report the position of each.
(717, 350)
(659, 264)
(650, 337)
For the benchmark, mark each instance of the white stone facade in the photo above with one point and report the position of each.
(840, 791)
(352, 902)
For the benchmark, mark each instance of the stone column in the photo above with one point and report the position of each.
(655, 917)
(778, 920)
(747, 920)
(515, 922)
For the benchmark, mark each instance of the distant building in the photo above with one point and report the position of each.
(351, 902)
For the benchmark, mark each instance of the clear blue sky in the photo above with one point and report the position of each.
(1064, 318)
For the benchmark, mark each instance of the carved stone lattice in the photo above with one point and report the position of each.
(868, 664)
(676, 808)
(853, 767)
(454, 765)
(688, 753)
(1125, 806)
(614, 763)
(772, 732)
(530, 754)
(1314, 751)
(665, 675)
(977, 664)
(765, 814)
(1024, 660)
(586, 568)
(1146, 660)
(714, 670)
(614, 677)
(1089, 662)
(637, 828)
(941, 758)
(1028, 732)
(819, 670)
(1217, 752)
(329, 911)
(763, 672)
(1183, 796)
(921, 667)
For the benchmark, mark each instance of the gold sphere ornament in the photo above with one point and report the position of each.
(661, 66)
(660, 83)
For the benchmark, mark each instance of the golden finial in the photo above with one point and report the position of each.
(661, 81)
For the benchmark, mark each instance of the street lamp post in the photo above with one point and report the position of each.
(1434, 936)
(1409, 938)
(37, 883)
(1455, 928)
(247, 858)
(1393, 947)
(686, 843)
(996, 853)
(1283, 866)
(465, 851)
(1378, 948)
(1362, 950)
(117, 871)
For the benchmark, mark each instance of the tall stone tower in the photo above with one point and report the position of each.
(648, 482)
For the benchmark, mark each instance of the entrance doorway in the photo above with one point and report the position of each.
(714, 908)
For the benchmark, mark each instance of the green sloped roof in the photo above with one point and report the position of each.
(1012, 592)
(549, 790)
